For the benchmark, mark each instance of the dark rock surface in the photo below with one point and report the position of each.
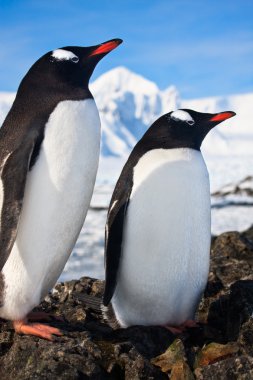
(220, 348)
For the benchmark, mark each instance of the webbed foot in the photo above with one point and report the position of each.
(37, 329)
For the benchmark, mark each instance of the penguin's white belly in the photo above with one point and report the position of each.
(57, 196)
(166, 242)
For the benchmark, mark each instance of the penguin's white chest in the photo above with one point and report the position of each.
(57, 196)
(166, 242)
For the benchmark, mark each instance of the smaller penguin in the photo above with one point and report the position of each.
(158, 229)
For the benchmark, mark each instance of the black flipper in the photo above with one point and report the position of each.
(13, 176)
(114, 231)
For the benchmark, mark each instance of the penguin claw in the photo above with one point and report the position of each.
(37, 329)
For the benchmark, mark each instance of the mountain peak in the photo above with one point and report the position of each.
(122, 79)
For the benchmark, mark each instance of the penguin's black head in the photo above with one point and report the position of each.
(185, 128)
(68, 68)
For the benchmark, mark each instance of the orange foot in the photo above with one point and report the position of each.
(37, 329)
(179, 329)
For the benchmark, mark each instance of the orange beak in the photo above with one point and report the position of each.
(106, 47)
(223, 116)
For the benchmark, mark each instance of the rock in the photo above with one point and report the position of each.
(90, 349)
(239, 368)
(172, 355)
(173, 360)
(214, 352)
(234, 195)
(232, 258)
(181, 371)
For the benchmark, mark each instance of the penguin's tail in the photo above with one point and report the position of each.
(95, 304)
(91, 302)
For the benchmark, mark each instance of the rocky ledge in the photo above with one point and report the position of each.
(221, 347)
(239, 194)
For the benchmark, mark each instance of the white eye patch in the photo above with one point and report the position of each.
(180, 115)
(64, 55)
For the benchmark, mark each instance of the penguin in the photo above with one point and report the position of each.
(49, 151)
(158, 228)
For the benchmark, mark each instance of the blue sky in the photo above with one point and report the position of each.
(204, 48)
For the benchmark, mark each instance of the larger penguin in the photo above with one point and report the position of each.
(49, 150)
(158, 227)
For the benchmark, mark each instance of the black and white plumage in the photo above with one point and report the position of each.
(49, 150)
(158, 226)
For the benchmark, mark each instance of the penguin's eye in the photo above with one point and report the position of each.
(190, 122)
(75, 59)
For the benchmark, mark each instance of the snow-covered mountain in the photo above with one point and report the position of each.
(129, 103)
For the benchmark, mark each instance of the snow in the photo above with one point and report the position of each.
(231, 137)
(128, 104)
(6, 100)
(87, 257)
(226, 219)
(247, 184)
